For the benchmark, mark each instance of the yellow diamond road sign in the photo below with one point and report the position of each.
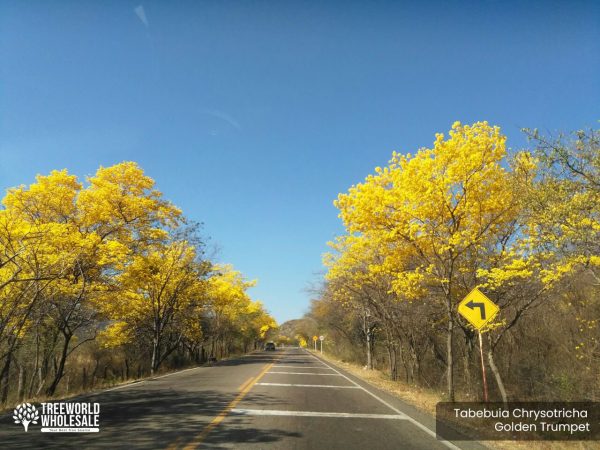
(478, 309)
(315, 338)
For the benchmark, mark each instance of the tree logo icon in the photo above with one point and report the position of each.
(25, 414)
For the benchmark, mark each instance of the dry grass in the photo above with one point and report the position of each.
(426, 399)
(419, 397)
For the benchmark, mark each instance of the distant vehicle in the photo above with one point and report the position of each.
(270, 346)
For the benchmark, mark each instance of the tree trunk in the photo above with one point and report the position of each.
(404, 362)
(368, 331)
(21, 385)
(154, 362)
(60, 369)
(37, 363)
(32, 381)
(467, 363)
(497, 376)
(369, 351)
(95, 371)
(4, 379)
(41, 381)
(449, 352)
(393, 365)
(414, 362)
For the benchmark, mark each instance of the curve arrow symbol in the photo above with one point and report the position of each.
(481, 307)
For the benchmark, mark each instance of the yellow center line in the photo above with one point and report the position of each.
(245, 388)
(245, 383)
(174, 445)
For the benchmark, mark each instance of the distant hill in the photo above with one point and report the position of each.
(289, 328)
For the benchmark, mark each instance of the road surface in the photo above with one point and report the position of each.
(283, 400)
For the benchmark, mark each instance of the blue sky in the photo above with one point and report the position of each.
(252, 115)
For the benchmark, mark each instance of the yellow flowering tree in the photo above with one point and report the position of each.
(229, 301)
(84, 237)
(155, 293)
(434, 212)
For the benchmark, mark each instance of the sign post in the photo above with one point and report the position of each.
(315, 339)
(485, 389)
(321, 338)
(479, 311)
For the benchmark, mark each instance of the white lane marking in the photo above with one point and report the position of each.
(301, 367)
(410, 419)
(306, 385)
(295, 361)
(308, 373)
(116, 388)
(146, 380)
(175, 373)
(276, 412)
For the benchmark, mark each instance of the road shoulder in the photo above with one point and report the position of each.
(422, 419)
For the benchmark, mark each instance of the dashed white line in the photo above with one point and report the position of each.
(307, 373)
(302, 367)
(306, 385)
(276, 412)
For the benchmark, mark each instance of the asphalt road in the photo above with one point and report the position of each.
(288, 399)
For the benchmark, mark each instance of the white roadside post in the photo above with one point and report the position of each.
(321, 338)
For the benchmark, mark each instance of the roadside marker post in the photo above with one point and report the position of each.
(479, 311)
